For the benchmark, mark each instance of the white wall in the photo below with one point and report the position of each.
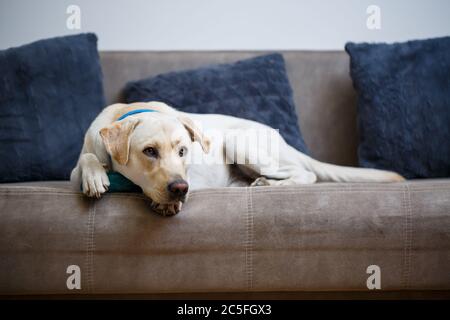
(224, 24)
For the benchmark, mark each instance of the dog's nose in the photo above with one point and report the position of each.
(178, 188)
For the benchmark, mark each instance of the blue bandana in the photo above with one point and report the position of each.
(134, 112)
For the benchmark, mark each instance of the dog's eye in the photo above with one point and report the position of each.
(182, 151)
(151, 152)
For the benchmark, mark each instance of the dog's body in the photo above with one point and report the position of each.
(150, 149)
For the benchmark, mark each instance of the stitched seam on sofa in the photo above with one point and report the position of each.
(316, 188)
(108, 195)
(193, 197)
(411, 236)
(402, 281)
(219, 193)
(233, 190)
(40, 193)
(236, 190)
(249, 241)
(407, 240)
(330, 191)
(90, 246)
(298, 191)
(318, 192)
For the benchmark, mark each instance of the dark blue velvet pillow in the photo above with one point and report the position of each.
(257, 89)
(404, 106)
(50, 91)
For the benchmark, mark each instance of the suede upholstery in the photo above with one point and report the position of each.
(318, 237)
(302, 238)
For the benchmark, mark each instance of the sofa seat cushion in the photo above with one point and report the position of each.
(312, 237)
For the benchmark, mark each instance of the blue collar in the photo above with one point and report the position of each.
(134, 112)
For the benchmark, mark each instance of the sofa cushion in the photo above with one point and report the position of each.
(50, 91)
(257, 89)
(404, 106)
(300, 238)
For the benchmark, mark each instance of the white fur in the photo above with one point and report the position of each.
(294, 166)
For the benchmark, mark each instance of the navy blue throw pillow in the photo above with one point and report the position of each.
(50, 91)
(404, 106)
(256, 89)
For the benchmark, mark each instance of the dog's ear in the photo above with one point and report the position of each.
(195, 133)
(116, 138)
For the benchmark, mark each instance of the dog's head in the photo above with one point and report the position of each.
(151, 151)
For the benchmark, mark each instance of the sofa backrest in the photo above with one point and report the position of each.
(324, 96)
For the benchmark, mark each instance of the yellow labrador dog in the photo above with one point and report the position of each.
(168, 153)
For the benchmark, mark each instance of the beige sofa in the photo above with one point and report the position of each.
(278, 240)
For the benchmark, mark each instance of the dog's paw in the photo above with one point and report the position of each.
(259, 182)
(395, 177)
(95, 181)
(166, 209)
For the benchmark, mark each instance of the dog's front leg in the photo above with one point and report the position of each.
(94, 180)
